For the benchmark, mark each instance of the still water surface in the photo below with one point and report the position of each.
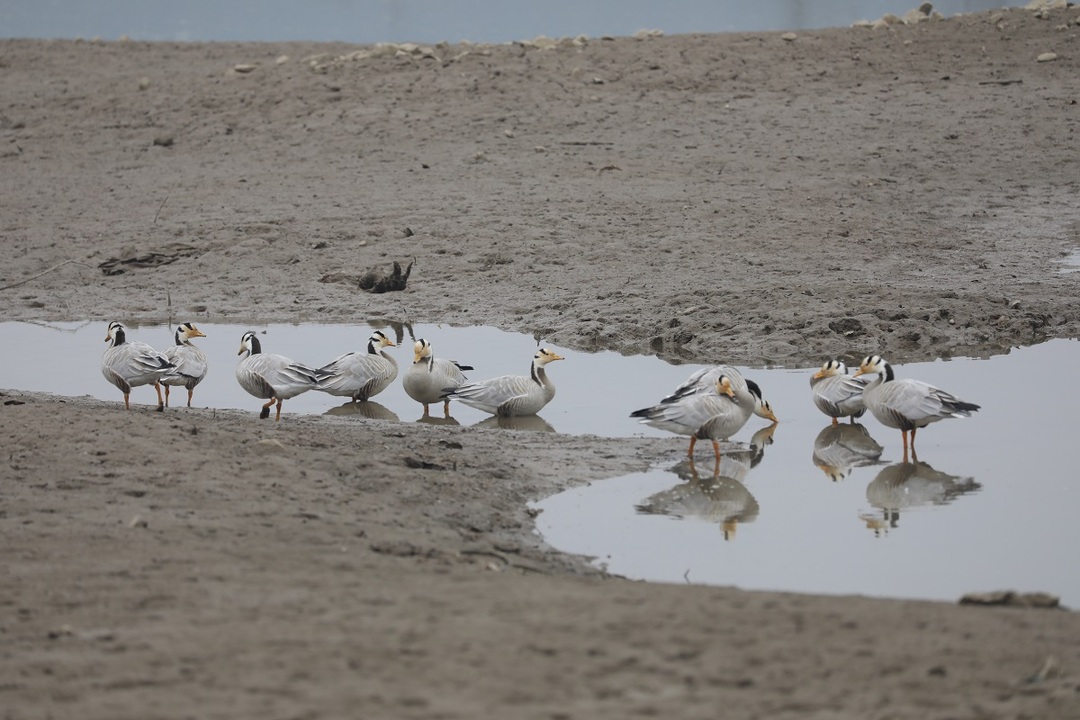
(804, 507)
(431, 21)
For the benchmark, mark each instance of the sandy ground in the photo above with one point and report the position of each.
(739, 198)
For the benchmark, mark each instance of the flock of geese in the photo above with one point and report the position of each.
(712, 404)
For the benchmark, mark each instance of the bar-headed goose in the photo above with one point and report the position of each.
(747, 392)
(129, 363)
(510, 395)
(836, 393)
(361, 375)
(272, 377)
(713, 416)
(189, 360)
(428, 378)
(905, 404)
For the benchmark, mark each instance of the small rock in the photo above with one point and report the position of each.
(1010, 598)
(789, 36)
(244, 68)
(144, 82)
(281, 59)
(138, 522)
(1047, 57)
(62, 631)
(163, 141)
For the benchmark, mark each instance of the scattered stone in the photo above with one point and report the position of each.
(144, 83)
(244, 68)
(163, 141)
(1049, 669)
(1010, 598)
(848, 327)
(1046, 5)
(281, 59)
(789, 36)
(418, 464)
(1047, 57)
(131, 258)
(60, 632)
(138, 522)
(375, 280)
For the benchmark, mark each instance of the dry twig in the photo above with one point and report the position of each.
(44, 272)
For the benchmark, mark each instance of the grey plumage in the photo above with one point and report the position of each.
(189, 361)
(272, 377)
(905, 404)
(360, 375)
(429, 377)
(510, 395)
(128, 364)
(836, 393)
(703, 415)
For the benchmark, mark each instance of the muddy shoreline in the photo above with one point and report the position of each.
(738, 198)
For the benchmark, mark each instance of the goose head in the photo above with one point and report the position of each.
(831, 369)
(723, 386)
(545, 355)
(378, 341)
(187, 331)
(762, 408)
(249, 345)
(874, 364)
(421, 350)
(116, 335)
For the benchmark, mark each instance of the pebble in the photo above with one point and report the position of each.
(789, 36)
(244, 68)
(1047, 57)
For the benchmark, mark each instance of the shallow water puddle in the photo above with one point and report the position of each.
(800, 507)
(1070, 263)
(990, 506)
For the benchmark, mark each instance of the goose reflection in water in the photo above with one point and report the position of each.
(722, 497)
(533, 423)
(365, 409)
(840, 448)
(909, 485)
(438, 420)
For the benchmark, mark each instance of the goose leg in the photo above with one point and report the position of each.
(693, 441)
(266, 409)
(160, 400)
(189, 394)
(278, 417)
(835, 421)
(127, 406)
(166, 396)
(716, 451)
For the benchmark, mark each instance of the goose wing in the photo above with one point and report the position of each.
(508, 392)
(840, 395)
(135, 363)
(687, 415)
(426, 382)
(190, 364)
(917, 403)
(283, 377)
(358, 374)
